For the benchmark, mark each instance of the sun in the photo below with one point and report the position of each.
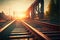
(20, 16)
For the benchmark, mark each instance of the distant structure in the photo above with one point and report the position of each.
(2, 15)
(36, 10)
(55, 11)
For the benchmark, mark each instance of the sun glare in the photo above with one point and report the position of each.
(20, 16)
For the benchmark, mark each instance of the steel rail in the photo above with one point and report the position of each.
(49, 25)
(6, 26)
(35, 31)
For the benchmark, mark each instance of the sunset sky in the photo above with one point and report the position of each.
(8, 6)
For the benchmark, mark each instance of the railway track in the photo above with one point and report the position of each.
(51, 30)
(20, 30)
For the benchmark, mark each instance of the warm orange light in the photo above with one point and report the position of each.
(20, 16)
